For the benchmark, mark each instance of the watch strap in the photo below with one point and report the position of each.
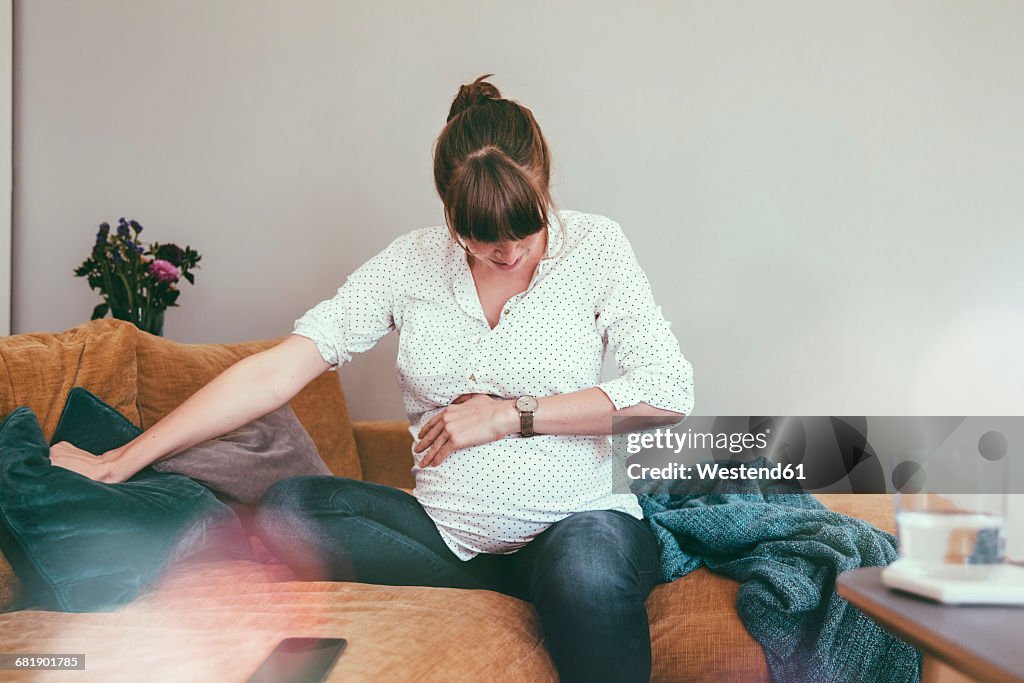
(526, 423)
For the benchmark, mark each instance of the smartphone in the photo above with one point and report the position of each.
(300, 660)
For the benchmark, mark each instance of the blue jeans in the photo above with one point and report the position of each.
(587, 575)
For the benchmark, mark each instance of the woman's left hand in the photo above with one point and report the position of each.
(471, 420)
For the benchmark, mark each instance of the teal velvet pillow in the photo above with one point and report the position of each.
(79, 545)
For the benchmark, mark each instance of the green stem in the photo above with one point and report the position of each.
(135, 272)
(108, 289)
(128, 292)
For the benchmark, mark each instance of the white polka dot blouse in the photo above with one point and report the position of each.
(588, 296)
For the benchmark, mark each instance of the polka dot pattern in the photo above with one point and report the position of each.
(588, 296)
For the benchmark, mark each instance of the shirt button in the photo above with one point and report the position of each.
(472, 377)
(507, 311)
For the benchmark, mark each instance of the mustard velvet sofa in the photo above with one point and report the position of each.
(217, 620)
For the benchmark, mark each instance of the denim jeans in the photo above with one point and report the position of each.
(587, 575)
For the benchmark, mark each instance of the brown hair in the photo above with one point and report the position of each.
(492, 168)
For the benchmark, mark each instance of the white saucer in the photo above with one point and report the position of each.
(1005, 587)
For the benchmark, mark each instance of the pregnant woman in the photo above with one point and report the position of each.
(504, 316)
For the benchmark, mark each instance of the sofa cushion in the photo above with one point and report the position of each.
(385, 451)
(93, 425)
(38, 370)
(697, 635)
(219, 621)
(243, 463)
(82, 545)
(169, 372)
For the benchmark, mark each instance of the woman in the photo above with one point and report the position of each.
(504, 315)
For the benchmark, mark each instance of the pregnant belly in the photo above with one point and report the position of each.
(540, 475)
(497, 497)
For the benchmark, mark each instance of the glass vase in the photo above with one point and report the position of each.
(151, 321)
(154, 324)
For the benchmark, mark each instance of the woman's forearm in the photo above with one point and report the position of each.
(588, 411)
(475, 419)
(237, 396)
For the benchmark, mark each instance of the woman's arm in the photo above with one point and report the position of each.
(353, 320)
(590, 411)
(475, 419)
(247, 390)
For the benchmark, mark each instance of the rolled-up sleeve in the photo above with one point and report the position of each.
(651, 367)
(359, 314)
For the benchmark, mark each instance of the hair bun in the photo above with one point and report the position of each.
(472, 94)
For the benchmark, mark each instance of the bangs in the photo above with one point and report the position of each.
(493, 200)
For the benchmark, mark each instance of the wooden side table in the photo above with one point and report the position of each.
(983, 642)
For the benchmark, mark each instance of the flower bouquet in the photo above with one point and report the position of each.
(137, 283)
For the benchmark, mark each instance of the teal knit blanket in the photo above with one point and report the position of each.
(786, 549)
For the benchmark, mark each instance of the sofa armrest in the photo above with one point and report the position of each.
(876, 509)
(385, 451)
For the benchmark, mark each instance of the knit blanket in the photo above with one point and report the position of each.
(786, 549)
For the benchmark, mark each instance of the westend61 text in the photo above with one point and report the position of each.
(662, 438)
(715, 471)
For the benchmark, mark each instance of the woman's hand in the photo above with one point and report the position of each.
(99, 468)
(471, 420)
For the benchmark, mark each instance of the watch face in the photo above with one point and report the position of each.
(526, 404)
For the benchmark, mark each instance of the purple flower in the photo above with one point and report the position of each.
(135, 226)
(101, 236)
(171, 252)
(164, 271)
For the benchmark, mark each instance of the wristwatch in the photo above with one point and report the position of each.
(526, 405)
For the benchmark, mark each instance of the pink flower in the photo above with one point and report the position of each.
(164, 271)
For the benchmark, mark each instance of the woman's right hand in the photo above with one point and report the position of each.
(246, 390)
(103, 468)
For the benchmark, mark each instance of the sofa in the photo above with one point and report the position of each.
(217, 619)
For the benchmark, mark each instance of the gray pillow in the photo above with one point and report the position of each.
(244, 463)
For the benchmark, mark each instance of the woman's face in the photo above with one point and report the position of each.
(508, 257)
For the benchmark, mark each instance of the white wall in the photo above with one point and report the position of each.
(826, 195)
